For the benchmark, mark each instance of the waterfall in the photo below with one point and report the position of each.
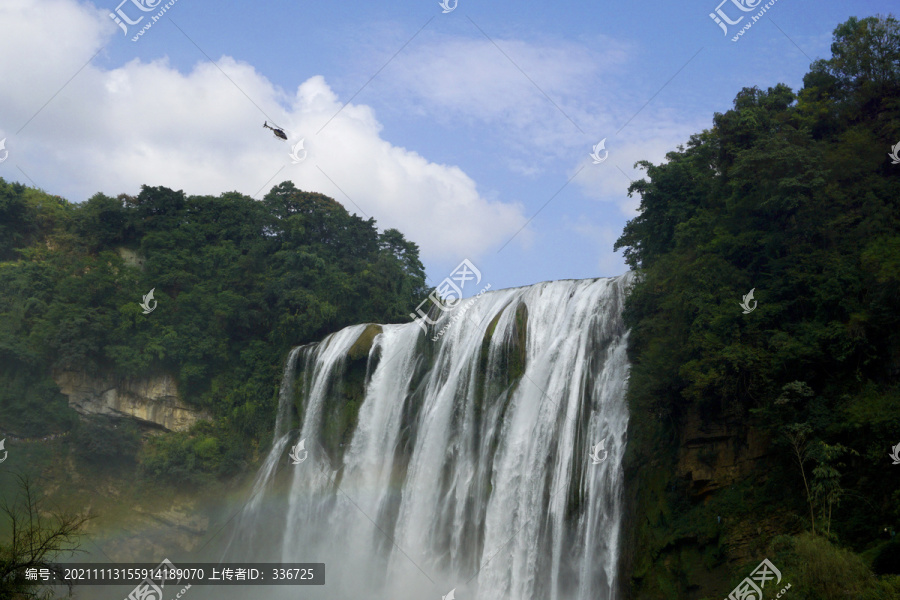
(285, 394)
(247, 528)
(457, 464)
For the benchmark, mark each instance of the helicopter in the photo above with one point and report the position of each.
(277, 131)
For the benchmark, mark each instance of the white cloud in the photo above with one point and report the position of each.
(111, 130)
(609, 180)
(456, 81)
(502, 78)
(540, 96)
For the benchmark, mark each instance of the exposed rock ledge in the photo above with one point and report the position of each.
(152, 400)
(716, 454)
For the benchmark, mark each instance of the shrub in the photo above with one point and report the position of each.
(887, 561)
(101, 440)
(819, 570)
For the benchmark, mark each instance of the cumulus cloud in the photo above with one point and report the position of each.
(113, 129)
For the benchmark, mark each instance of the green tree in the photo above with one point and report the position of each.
(238, 283)
(791, 195)
(826, 479)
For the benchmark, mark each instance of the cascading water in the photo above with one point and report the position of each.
(460, 464)
(248, 528)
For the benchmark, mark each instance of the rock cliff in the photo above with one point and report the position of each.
(715, 454)
(152, 400)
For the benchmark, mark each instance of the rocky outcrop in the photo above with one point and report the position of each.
(132, 258)
(685, 541)
(151, 400)
(715, 454)
(154, 527)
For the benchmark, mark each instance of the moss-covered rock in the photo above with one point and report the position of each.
(363, 344)
(514, 355)
(497, 378)
(517, 349)
(341, 410)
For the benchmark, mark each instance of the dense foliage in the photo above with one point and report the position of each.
(237, 283)
(793, 195)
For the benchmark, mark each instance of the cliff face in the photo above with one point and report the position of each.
(714, 454)
(684, 539)
(152, 400)
(152, 533)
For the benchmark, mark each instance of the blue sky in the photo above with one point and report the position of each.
(470, 131)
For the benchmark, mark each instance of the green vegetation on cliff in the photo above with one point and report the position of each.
(792, 195)
(237, 283)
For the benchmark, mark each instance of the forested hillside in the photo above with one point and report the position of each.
(237, 283)
(793, 195)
